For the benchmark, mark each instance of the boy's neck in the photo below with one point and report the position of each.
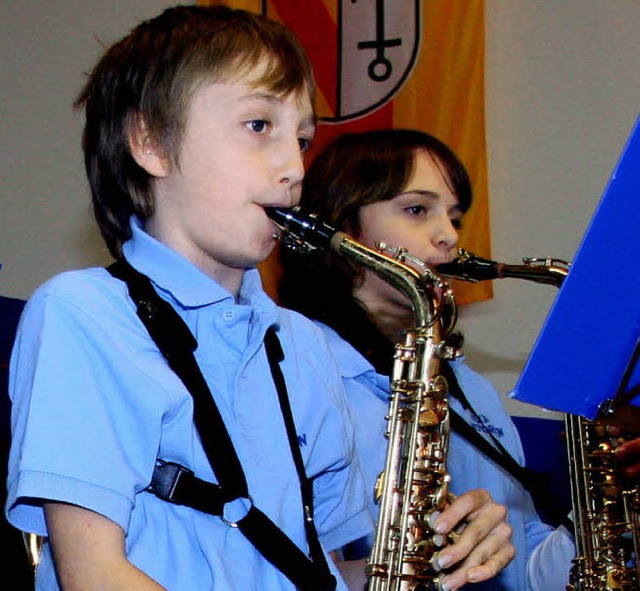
(231, 281)
(228, 277)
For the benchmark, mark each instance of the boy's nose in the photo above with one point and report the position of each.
(292, 171)
(293, 191)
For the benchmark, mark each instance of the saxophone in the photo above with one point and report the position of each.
(414, 486)
(606, 511)
(469, 267)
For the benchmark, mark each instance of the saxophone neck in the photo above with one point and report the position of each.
(424, 297)
(469, 267)
(305, 232)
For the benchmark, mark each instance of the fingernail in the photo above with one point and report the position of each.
(439, 528)
(435, 562)
(440, 562)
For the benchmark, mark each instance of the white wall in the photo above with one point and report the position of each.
(563, 91)
(46, 223)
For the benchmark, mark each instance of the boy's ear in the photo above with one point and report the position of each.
(146, 151)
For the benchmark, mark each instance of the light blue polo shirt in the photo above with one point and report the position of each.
(94, 404)
(368, 398)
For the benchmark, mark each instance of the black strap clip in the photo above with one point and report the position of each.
(165, 479)
(179, 485)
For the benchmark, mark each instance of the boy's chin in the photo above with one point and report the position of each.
(262, 255)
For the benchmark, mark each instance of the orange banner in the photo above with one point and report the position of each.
(399, 63)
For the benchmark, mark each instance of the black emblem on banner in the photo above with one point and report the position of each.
(378, 46)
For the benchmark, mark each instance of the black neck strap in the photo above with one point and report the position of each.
(275, 355)
(177, 344)
(534, 482)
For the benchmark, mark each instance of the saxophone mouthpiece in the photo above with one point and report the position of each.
(279, 216)
(299, 230)
(470, 267)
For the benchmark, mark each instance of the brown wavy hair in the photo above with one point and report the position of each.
(354, 170)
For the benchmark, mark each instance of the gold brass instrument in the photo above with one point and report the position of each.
(33, 547)
(414, 485)
(606, 511)
(469, 267)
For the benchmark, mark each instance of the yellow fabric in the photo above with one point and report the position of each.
(444, 95)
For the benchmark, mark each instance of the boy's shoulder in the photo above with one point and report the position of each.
(92, 290)
(325, 341)
(75, 283)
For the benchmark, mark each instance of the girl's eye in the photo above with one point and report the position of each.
(258, 125)
(416, 209)
(457, 223)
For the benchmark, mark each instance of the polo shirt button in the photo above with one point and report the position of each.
(228, 315)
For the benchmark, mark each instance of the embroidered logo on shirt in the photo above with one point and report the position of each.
(484, 424)
(302, 440)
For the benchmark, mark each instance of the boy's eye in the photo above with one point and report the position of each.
(258, 125)
(304, 143)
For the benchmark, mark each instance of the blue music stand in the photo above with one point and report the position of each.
(585, 359)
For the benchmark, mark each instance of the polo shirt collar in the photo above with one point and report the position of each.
(174, 274)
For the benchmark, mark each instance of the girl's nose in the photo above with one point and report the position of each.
(446, 236)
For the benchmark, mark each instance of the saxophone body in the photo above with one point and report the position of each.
(606, 513)
(414, 485)
(606, 510)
